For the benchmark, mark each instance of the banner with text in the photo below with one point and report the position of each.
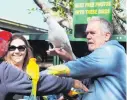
(85, 9)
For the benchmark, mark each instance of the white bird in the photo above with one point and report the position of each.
(56, 34)
(58, 37)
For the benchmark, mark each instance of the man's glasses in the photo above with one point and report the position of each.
(20, 48)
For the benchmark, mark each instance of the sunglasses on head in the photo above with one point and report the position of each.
(20, 48)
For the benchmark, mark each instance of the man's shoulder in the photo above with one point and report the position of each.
(113, 44)
(105, 50)
(110, 49)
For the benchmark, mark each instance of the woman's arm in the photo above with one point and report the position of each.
(17, 81)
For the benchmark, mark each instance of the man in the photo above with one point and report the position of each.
(13, 80)
(105, 66)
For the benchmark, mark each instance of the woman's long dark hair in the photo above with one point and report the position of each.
(29, 53)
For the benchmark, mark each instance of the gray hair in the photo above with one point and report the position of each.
(105, 25)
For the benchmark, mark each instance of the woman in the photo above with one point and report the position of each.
(19, 52)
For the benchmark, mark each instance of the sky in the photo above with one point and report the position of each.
(17, 11)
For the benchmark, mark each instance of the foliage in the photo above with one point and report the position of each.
(63, 7)
(119, 17)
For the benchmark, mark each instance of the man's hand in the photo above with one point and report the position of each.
(79, 85)
(64, 55)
